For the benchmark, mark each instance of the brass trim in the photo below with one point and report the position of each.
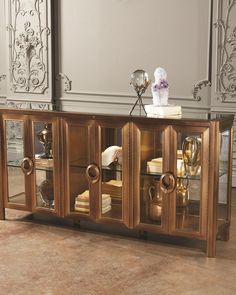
(93, 178)
(167, 187)
(29, 170)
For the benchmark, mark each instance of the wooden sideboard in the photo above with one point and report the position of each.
(163, 175)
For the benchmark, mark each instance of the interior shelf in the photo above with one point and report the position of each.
(192, 177)
(115, 169)
(37, 168)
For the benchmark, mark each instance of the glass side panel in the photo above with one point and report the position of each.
(78, 156)
(188, 190)
(151, 168)
(223, 176)
(43, 159)
(111, 200)
(15, 154)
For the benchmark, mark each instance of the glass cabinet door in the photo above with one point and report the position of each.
(189, 207)
(44, 163)
(113, 157)
(79, 144)
(16, 163)
(151, 161)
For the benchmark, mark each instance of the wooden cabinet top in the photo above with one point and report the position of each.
(195, 117)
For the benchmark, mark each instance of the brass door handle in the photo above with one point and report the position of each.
(167, 182)
(27, 166)
(93, 173)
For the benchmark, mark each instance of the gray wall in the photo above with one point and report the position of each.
(100, 43)
(103, 42)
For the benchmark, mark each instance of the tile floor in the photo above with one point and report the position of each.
(37, 258)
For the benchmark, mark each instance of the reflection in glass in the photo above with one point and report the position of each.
(151, 164)
(223, 175)
(111, 198)
(78, 157)
(45, 138)
(43, 164)
(188, 190)
(15, 154)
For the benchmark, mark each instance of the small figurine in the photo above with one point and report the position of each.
(160, 88)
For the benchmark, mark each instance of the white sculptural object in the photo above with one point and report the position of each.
(160, 88)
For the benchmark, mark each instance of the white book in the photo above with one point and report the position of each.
(162, 111)
(106, 209)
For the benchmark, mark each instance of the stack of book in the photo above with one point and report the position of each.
(114, 188)
(163, 111)
(82, 203)
(106, 203)
(154, 166)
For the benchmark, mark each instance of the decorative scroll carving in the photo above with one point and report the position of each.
(28, 46)
(67, 82)
(198, 86)
(29, 105)
(226, 64)
(207, 81)
(2, 77)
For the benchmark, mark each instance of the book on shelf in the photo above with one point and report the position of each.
(44, 163)
(155, 165)
(163, 111)
(112, 187)
(82, 203)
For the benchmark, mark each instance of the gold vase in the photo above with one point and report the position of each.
(155, 201)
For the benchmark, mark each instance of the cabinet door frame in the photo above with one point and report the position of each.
(136, 130)
(84, 122)
(28, 202)
(204, 191)
(124, 125)
(56, 163)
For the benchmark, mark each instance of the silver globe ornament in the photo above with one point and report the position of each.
(140, 82)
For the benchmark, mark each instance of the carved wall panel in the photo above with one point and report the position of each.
(226, 51)
(3, 89)
(29, 28)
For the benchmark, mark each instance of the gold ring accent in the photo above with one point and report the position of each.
(27, 166)
(167, 186)
(92, 173)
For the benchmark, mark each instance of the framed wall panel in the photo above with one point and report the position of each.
(102, 42)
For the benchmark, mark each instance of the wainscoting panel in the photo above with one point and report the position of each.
(103, 42)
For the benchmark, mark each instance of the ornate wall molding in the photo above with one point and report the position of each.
(28, 46)
(207, 81)
(2, 77)
(29, 105)
(67, 82)
(197, 87)
(226, 51)
(102, 97)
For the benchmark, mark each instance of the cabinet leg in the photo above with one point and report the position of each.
(77, 223)
(2, 214)
(223, 232)
(211, 247)
(142, 234)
